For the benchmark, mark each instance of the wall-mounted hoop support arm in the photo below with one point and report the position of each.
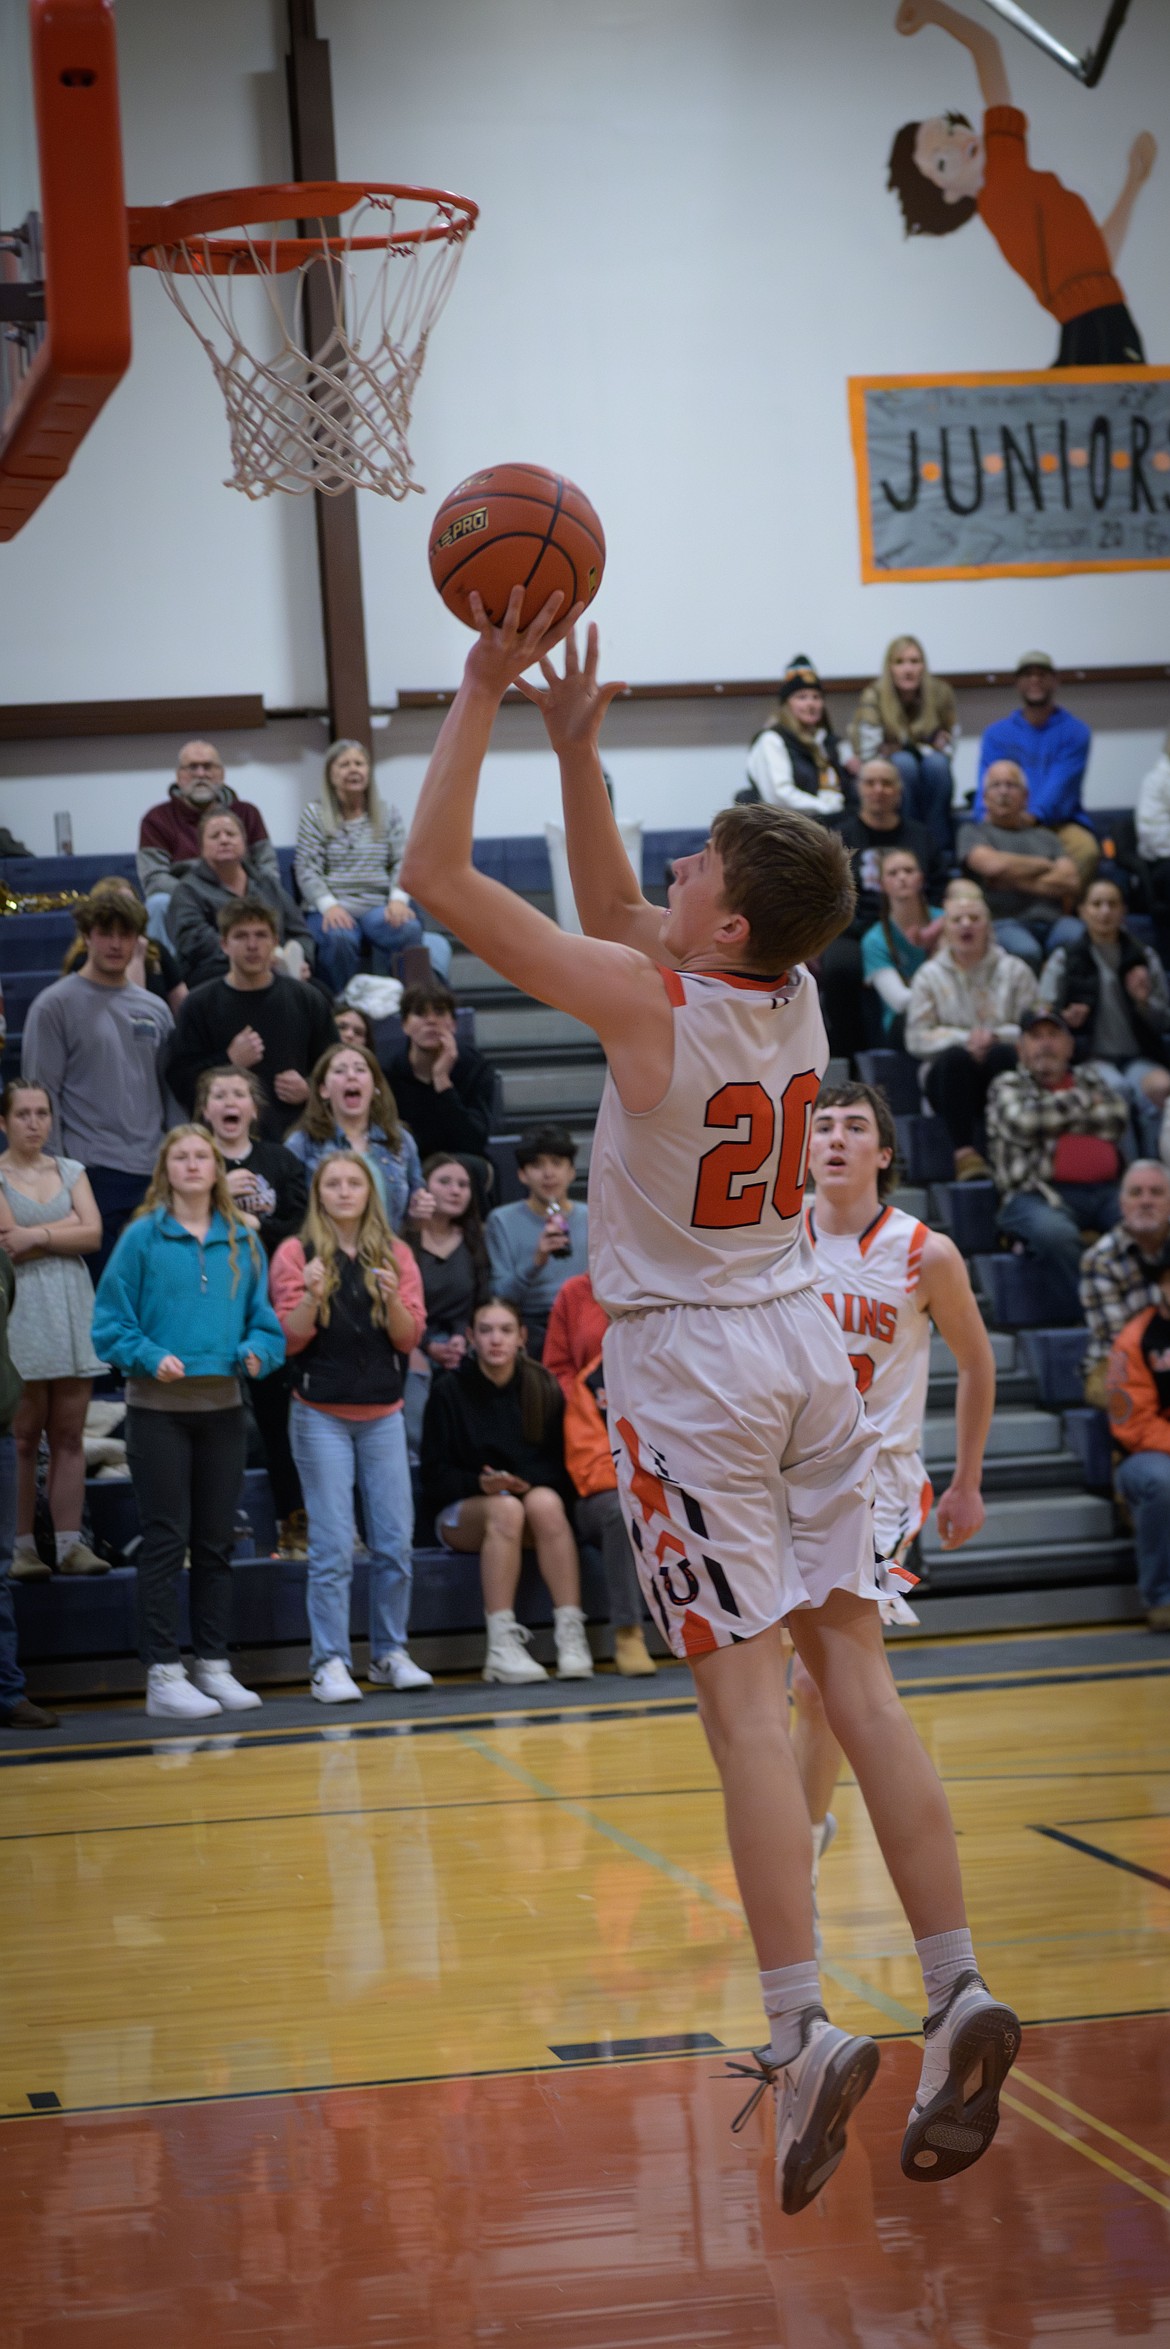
(1087, 68)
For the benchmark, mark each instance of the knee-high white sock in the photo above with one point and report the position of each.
(943, 1957)
(788, 1991)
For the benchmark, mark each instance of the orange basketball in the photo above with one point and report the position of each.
(516, 526)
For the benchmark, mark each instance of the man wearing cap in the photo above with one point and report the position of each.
(1052, 748)
(1053, 1133)
(1029, 882)
(797, 760)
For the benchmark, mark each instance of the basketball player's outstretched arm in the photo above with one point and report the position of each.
(609, 901)
(985, 52)
(944, 1292)
(615, 989)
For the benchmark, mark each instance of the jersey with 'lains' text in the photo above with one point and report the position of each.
(868, 1280)
(698, 1202)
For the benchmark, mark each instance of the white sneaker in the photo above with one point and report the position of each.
(507, 1656)
(815, 2096)
(331, 1684)
(971, 2045)
(397, 1670)
(574, 1660)
(216, 1679)
(168, 1691)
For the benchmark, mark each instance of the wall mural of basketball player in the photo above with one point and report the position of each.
(943, 170)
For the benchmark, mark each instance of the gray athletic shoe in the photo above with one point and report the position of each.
(971, 2045)
(815, 2095)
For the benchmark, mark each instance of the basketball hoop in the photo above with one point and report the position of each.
(325, 402)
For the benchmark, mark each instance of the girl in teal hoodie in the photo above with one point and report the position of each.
(183, 1309)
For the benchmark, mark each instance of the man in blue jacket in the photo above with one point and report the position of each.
(1052, 747)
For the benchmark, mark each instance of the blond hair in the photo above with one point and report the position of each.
(375, 1240)
(160, 1193)
(930, 715)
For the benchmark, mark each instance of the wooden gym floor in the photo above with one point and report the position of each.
(410, 2029)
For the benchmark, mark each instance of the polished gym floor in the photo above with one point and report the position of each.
(410, 2026)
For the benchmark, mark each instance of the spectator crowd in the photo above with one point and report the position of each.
(270, 1217)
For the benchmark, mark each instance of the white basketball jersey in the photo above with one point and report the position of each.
(867, 1280)
(698, 1202)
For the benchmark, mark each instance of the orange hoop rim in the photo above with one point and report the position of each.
(184, 237)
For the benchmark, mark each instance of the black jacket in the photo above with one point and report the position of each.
(1082, 984)
(471, 1424)
(350, 1359)
(459, 1119)
(194, 912)
(292, 1017)
(865, 845)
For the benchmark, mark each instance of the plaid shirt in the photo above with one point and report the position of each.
(1117, 1281)
(1025, 1122)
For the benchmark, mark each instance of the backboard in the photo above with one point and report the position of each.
(64, 263)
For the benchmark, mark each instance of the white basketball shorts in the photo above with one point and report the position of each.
(745, 1464)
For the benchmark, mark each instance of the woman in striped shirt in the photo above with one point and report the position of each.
(349, 848)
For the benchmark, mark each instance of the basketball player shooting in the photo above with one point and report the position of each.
(887, 1280)
(745, 1461)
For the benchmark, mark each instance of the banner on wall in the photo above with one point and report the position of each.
(1012, 476)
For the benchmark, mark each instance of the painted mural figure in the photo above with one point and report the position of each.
(943, 170)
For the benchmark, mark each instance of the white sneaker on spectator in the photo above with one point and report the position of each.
(216, 1678)
(332, 1684)
(507, 1656)
(574, 1660)
(397, 1670)
(168, 1691)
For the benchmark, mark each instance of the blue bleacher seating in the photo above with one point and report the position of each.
(925, 1149)
(1054, 1358)
(970, 1210)
(1019, 1291)
(896, 1074)
(1086, 1432)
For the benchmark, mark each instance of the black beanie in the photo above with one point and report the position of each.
(799, 677)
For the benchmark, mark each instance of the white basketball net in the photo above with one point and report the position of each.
(337, 417)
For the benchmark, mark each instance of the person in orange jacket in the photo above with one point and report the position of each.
(572, 1351)
(1137, 1397)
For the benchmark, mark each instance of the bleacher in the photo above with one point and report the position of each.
(1050, 1552)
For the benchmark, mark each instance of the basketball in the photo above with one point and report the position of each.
(516, 526)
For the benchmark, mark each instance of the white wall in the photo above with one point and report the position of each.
(685, 248)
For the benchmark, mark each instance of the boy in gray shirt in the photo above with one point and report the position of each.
(536, 1243)
(93, 1041)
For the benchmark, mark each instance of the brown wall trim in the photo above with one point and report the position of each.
(760, 688)
(51, 721)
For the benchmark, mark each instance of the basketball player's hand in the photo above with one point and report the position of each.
(574, 705)
(960, 1514)
(499, 656)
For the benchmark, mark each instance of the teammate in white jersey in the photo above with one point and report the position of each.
(745, 1462)
(887, 1280)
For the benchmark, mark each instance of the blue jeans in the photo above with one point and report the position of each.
(158, 905)
(1034, 940)
(340, 951)
(927, 790)
(1053, 1234)
(1126, 1078)
(330, 1454)
(11, 1676)
(1143, 1480)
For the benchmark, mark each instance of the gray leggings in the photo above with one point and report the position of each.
(599, 1522)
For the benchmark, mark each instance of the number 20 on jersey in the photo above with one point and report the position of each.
(721, 1207)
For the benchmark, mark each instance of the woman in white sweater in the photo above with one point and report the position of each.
(963, 1020)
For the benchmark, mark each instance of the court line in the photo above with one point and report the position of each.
(1039, 2088)
(1043, 1676)
(1087, 2152)
(868, 1992)
(1109, 1859)
(68, 2112)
